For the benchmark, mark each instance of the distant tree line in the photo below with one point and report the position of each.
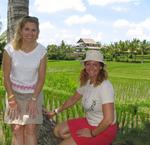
(127, 51)
(62, 52)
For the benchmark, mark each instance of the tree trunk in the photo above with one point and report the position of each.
(16, 10)
(45, 132)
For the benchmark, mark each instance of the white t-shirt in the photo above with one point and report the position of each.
(24, 67)
(93, 98)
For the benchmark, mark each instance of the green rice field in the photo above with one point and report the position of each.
(131, 82)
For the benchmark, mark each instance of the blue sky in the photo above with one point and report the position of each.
(105, 21)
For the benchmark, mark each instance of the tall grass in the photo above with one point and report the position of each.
(131, 88)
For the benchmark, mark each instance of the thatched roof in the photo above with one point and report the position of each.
(86, 41)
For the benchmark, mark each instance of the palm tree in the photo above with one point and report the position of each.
(16, 10)
(144, 45)
(133, 47)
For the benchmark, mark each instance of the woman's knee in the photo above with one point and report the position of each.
(61, 129)
(31, 129)
(17, 129)
(57, 130)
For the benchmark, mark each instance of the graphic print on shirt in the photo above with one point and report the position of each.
(88, 105)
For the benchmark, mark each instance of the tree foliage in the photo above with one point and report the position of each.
(2, 44)
(62, 52)
(126, 50)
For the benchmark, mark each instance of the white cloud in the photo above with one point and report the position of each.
(56, 34)
(80, 20)
(121, 23)
(109, 2)
(139, 30)
(51, 6)
(99, 36)
(146, 24)
(86, 32)
(139, 33)
(135, 33)
(46, 29)
(67, 35)
(119, 9)
(46, 26)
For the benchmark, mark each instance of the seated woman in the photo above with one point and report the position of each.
(98, 127)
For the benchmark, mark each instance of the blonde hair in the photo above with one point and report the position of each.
(17, 41)
(103, 75)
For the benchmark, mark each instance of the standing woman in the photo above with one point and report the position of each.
(98, 127)
(24, 67)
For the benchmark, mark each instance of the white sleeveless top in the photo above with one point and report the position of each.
(93, 98)
(24, 67)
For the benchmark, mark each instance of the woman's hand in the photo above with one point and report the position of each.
(14, 110)
(85, 132)
(32, 108)
(51, 114)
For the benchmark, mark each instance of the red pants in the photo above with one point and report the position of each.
(104, 138)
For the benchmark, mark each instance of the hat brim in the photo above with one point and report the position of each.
(83, 61)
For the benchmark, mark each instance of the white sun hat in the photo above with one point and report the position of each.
(94, 55)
